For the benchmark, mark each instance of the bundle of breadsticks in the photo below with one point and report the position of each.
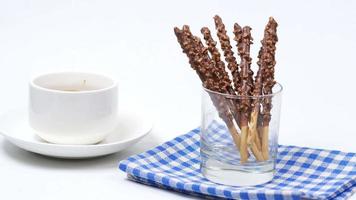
(248, 115)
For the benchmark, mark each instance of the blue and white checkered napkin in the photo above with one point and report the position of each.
(301, 172)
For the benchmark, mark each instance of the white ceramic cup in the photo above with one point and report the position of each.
(73, 107)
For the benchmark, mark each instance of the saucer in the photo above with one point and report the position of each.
(131, 127)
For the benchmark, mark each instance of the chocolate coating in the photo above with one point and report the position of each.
(203, 65)
(222, 74)
(268, 62)
(227, 48)
(244, 40)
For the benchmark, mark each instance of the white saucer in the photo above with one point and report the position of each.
(130, 129)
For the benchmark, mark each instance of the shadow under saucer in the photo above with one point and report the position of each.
(109, 161)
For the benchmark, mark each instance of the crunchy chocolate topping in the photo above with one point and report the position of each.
(267, 61)
(227, 48)
(185, 41)
(215, 82)
(219, 64)
(257, 90)
(201, 63)
(244, 40)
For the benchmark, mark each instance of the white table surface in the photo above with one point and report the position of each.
(134, 42)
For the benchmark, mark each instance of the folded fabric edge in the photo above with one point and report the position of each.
(244, 196)
(347, 190)
(148, 178)
(158, 185)
(142, 176)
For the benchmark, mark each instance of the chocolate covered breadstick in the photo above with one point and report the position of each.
(229, 58)
(200, 62)
(244, 40)
(220, 65)
(267, 60)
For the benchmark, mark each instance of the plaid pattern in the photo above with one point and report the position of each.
(300, 172)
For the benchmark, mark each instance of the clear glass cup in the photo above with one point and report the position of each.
(239, 144)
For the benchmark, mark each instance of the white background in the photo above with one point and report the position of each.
(134, 42)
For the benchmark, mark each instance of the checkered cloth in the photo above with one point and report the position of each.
(300, 172)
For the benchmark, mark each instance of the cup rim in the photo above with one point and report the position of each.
(232, 96)
(34, 85)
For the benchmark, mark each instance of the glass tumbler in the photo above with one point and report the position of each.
(239, 137)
